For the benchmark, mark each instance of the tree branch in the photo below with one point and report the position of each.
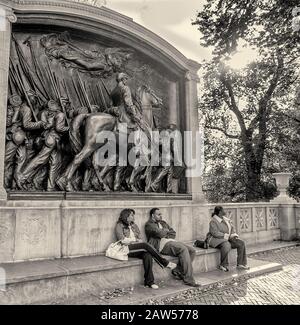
(273, 84)
(291, 117)
(231, 136)
(262, 111)
(233, 105)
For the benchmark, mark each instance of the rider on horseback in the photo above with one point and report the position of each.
(131, 115)
(122, 98)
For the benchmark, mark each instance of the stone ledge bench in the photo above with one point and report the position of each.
(57, 279)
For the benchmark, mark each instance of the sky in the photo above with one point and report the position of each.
(170, 19)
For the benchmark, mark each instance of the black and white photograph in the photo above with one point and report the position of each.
(149, 155)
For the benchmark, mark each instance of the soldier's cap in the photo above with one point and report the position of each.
(15, 100)
(95, 108)
(53, 105)
(19, 136)
(81, 110)
(64, 100)
(31, 93)
(172, 126)
(122, 75)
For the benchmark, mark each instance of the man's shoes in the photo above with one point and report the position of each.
(177, 275)
(193, 284)
(171, 265)
(223, 268)
(153, 286)
(243, 267)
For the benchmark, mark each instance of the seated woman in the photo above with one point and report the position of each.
(128, 232)
(223, 236)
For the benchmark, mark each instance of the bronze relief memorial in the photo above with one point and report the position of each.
(64, 89)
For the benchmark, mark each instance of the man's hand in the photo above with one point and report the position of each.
(234, 236)
(45, 125)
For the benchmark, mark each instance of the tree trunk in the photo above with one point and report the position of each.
(253, 168)
(253, 187)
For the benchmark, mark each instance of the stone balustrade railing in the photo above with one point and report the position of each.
(250, 217)
(258, 222)
(297, 218)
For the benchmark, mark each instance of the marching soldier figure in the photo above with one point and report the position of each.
(19, 121)
(55, 120)
(168, 169)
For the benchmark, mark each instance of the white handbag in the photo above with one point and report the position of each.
(117, 251)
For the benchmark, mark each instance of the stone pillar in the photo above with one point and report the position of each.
(192, 124)
(173, 103)
(287, 211)
(287, 222)
(173, 118)
(7, 18)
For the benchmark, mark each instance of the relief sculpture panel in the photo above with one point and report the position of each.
(64, 90)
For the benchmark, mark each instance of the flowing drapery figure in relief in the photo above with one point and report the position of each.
(103, 62)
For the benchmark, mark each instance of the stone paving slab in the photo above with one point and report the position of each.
(140, 294)
(173, 287)
(218, 288)
(277, 288)
(270, 246)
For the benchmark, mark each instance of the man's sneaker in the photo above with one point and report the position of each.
(193, 284)
(223, 268)
(176, 275)
(171, 265)
(243, 267)
(153, 286)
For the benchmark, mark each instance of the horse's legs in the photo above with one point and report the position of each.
(103, 174)
(79, 158)
(119, 177)
(148, 176)
(86, 186)
(100, 174)
(132, 182)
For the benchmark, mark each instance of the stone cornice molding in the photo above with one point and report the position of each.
(106, 16)
(192, 76)
(11, 17)
(9, 14)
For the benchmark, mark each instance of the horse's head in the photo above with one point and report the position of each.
(148, 96)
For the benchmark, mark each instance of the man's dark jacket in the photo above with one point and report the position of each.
(154, 233)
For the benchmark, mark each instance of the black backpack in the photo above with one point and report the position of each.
(201, 244)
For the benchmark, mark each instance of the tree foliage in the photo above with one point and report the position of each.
(249, 106)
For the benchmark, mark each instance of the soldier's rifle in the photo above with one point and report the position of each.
(81, 85)
(92, 94)
(55, 86)
(102, 96)
(13, 79)
(77, 93)
(18, 74)
(37, 69)
(56, 82)
(107, 91)
(64, 86)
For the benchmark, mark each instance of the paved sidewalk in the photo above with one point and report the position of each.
(280, 288)
(256, 286)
